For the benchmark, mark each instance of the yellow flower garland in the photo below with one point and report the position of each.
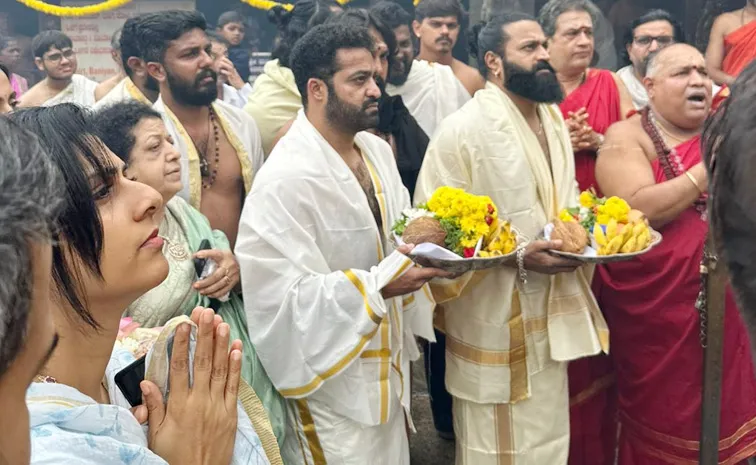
(108, 5)
(88, 10)
(267, 4)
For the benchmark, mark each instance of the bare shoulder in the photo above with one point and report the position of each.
(622, 135)
(617, 80)
(726, 23)
(469, 76)
(626, 139)
(33, 97)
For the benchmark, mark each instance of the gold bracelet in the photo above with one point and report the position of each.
(693, 180)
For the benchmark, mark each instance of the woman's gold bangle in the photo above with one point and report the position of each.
(694, 181)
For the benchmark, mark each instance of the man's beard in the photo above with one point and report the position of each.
(544, 88)
(193, 94)
(399, 79)
(351, 117)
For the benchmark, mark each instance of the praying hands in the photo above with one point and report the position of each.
(582, 135)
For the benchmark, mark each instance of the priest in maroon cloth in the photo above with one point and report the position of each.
(653, 160)
(595, 99)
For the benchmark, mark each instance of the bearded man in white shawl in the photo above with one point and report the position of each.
(54, 54)
(510, 331)
(220, 145)
(137, 84)
(430, 91)
(335, 310)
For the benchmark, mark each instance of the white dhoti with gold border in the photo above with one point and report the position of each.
(314, 261)
(317, 435)
(508, 339)
(536, 430)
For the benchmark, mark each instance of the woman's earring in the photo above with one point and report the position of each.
(497, 74)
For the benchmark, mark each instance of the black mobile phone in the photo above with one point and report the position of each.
(199, 263)
(128, 381)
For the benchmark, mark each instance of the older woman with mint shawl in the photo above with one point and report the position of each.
(137, 135)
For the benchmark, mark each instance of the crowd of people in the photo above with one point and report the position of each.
(248, 230)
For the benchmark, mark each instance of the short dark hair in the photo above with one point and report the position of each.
(439, 8)
(130, 42)
(366, 19)
(5, 40)
(230, 17)
(314, 55)
(155, 31)
(550, 13)
(294, 24)
(45, 40)
(491, 37)
(4, 69)
(649, 17)
(31, 192)
(217, 37)
(114, 125)
(65, 133)
(392, 14)
(728, 143)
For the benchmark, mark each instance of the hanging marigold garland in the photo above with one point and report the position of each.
(267, 4)
(108, 5)
(87, 10)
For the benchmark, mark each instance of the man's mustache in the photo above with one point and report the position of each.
(368, 102)
(444, 39)
(543, 65)
(206, 74)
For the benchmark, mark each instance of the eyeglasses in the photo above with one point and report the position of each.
(56, 57)
(645, 41)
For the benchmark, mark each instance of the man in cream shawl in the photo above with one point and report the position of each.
(430, 92)
(219, 144)
(124, 90)
(55, 56)
(510, 331)
(274, 101)
(238, 127)
(138, 84)
(334, 307)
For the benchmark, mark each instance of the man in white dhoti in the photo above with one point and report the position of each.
(220, 145)
(430, 91)
(334, 309)
(510, 331)
(54, 54)
(31, 197)
(137, 84)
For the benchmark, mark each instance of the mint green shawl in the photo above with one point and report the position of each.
(184, 228)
